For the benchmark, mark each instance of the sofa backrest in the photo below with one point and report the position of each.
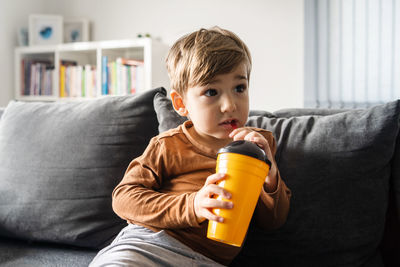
(351, 157)
(60, 161)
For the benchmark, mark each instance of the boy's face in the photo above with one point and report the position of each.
(218, 107)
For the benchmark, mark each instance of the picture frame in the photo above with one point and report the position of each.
(76, 30)
(45, 29)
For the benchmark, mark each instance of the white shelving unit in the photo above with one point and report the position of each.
(151, 52)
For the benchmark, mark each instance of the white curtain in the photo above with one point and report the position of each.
(352, 52)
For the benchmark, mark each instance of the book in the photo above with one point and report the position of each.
(48, 81)
(140, 82)
(42, 79)
(93, 81)
(32, 82)
(83, 82)
(33, 72)
(72, 82)
(87, 82)
(128, 80)
(78, 80)
(67, 81)
(124, 81)
(133, 80)
(111, 78)
(22, 78)
(62, 81)
(130, 62)
(121, 76)
(65, 76)
(104, 75)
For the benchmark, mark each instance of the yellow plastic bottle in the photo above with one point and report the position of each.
(246, 167)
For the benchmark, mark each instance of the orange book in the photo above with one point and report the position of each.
(131, 62)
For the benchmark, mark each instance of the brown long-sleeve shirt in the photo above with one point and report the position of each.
(158, 190)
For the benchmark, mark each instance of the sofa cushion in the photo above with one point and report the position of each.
(59, 163)
(338, 165)
(24, 254)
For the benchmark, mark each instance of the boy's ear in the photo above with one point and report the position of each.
(177, 103)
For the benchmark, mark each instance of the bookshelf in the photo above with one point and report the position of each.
(89, 69)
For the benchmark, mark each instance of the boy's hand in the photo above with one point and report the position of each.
(204, 201)
(258, 139)
(249, 135)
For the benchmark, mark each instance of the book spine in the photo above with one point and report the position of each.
(94, 82)
(140, 79)
(83, 82)
(27, 77)
(78, 81)
(128, 79)
(118, 64)
(72, 83)
(49, 90)
(131, 62)
(87, 81)
(36, 89)
(133, 80)
(22, 77)
(33, 80)
(62, 81)
(124, 81)
(104, 75)
(114, 78)
(67, 80)
(42, 87)
(111, 78)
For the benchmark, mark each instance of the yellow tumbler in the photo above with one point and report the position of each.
(245, 166)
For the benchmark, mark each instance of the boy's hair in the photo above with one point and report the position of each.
(196, 58)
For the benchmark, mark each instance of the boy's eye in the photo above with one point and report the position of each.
(240, 88)
(210, 92)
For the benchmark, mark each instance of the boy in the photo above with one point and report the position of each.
(166, 194)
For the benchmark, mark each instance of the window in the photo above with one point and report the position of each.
(352, 50)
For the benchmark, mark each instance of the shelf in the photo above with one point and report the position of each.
(84, 60)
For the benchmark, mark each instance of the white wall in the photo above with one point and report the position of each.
(273, 30)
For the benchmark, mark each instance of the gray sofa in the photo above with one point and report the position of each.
(60, 161)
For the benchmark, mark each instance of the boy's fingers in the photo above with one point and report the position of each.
(252, 136)
(261, 142)
(214, 189)
(257, 138)
(240, 135)
(244, 134)
(234, 132)
(218, 204)
(211, 216)
(212, 179)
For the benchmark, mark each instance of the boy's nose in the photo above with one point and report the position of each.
(228, 104)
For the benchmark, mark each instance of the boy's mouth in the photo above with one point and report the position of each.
(233, 123)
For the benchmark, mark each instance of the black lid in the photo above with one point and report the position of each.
(245, 148)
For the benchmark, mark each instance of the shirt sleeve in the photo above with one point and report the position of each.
(272, 208)
(137, 199)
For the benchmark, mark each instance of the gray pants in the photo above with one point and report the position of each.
(138, 246)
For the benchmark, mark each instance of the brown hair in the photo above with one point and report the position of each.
(196, 58)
